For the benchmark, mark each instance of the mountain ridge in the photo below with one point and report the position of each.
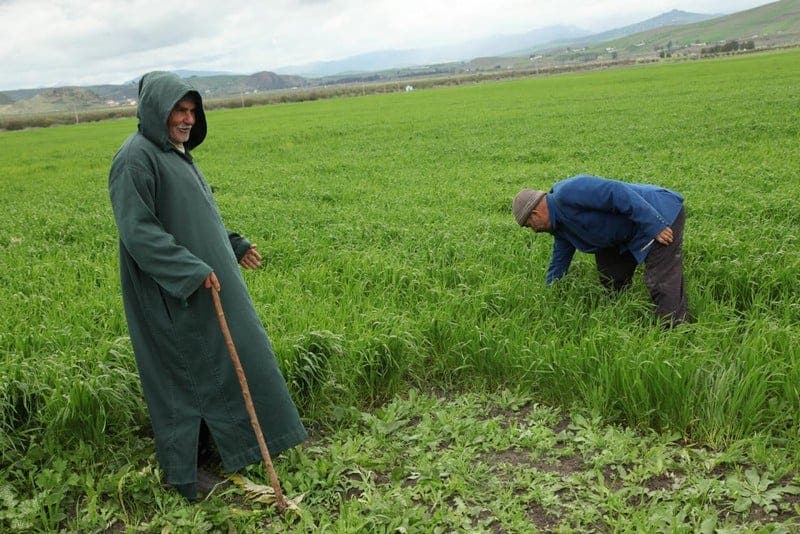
(674, 17)
(394, 58)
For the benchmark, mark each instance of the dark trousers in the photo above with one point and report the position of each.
(663, 274)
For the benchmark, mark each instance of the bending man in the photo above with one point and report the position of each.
(623, 225)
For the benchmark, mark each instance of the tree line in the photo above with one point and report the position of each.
(730, 46)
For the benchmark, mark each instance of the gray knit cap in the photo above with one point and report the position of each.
(524, 202)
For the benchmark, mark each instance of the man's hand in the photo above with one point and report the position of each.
(665, 236)
(251, 258)
(211, 281)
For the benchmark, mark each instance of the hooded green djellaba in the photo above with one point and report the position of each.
(171, 238)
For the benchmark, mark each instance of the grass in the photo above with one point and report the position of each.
(392, 261)
(477, 462)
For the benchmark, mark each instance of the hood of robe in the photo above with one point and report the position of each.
(158, 94)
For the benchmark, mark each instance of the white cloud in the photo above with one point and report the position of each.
(55, 42)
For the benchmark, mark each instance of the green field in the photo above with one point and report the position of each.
(393, 262)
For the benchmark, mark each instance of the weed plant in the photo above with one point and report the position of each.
(392, 260)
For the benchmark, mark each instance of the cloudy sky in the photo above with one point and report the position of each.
(74, 42)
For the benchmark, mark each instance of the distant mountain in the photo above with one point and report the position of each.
(671, 18)
(234, 84)
(770, 25)
(21, 94)
(58, 99)
(389, 59)
(268, 81)
(496, 45)
(105, 92)
(95, 96)
(68, 95)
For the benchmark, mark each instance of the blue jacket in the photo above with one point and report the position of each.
(588, 213)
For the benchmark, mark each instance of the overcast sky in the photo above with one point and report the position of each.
(75, 42)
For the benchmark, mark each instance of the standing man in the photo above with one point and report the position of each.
(623, 225)
(173, 250)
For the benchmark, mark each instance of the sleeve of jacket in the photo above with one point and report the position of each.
(153, 249)
(616, 197)
(563, 251)
(239, 244)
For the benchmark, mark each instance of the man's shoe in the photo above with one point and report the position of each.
(207, 481)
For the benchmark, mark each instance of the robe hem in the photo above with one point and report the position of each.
(248, 456)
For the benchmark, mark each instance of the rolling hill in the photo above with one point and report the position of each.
(59, 99)
(671, 18)
(68, 98)
(770, 25)
(394, 59)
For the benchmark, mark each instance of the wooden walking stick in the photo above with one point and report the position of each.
(280, 500)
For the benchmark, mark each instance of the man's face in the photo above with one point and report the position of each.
(539, 219)
(180, 121)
